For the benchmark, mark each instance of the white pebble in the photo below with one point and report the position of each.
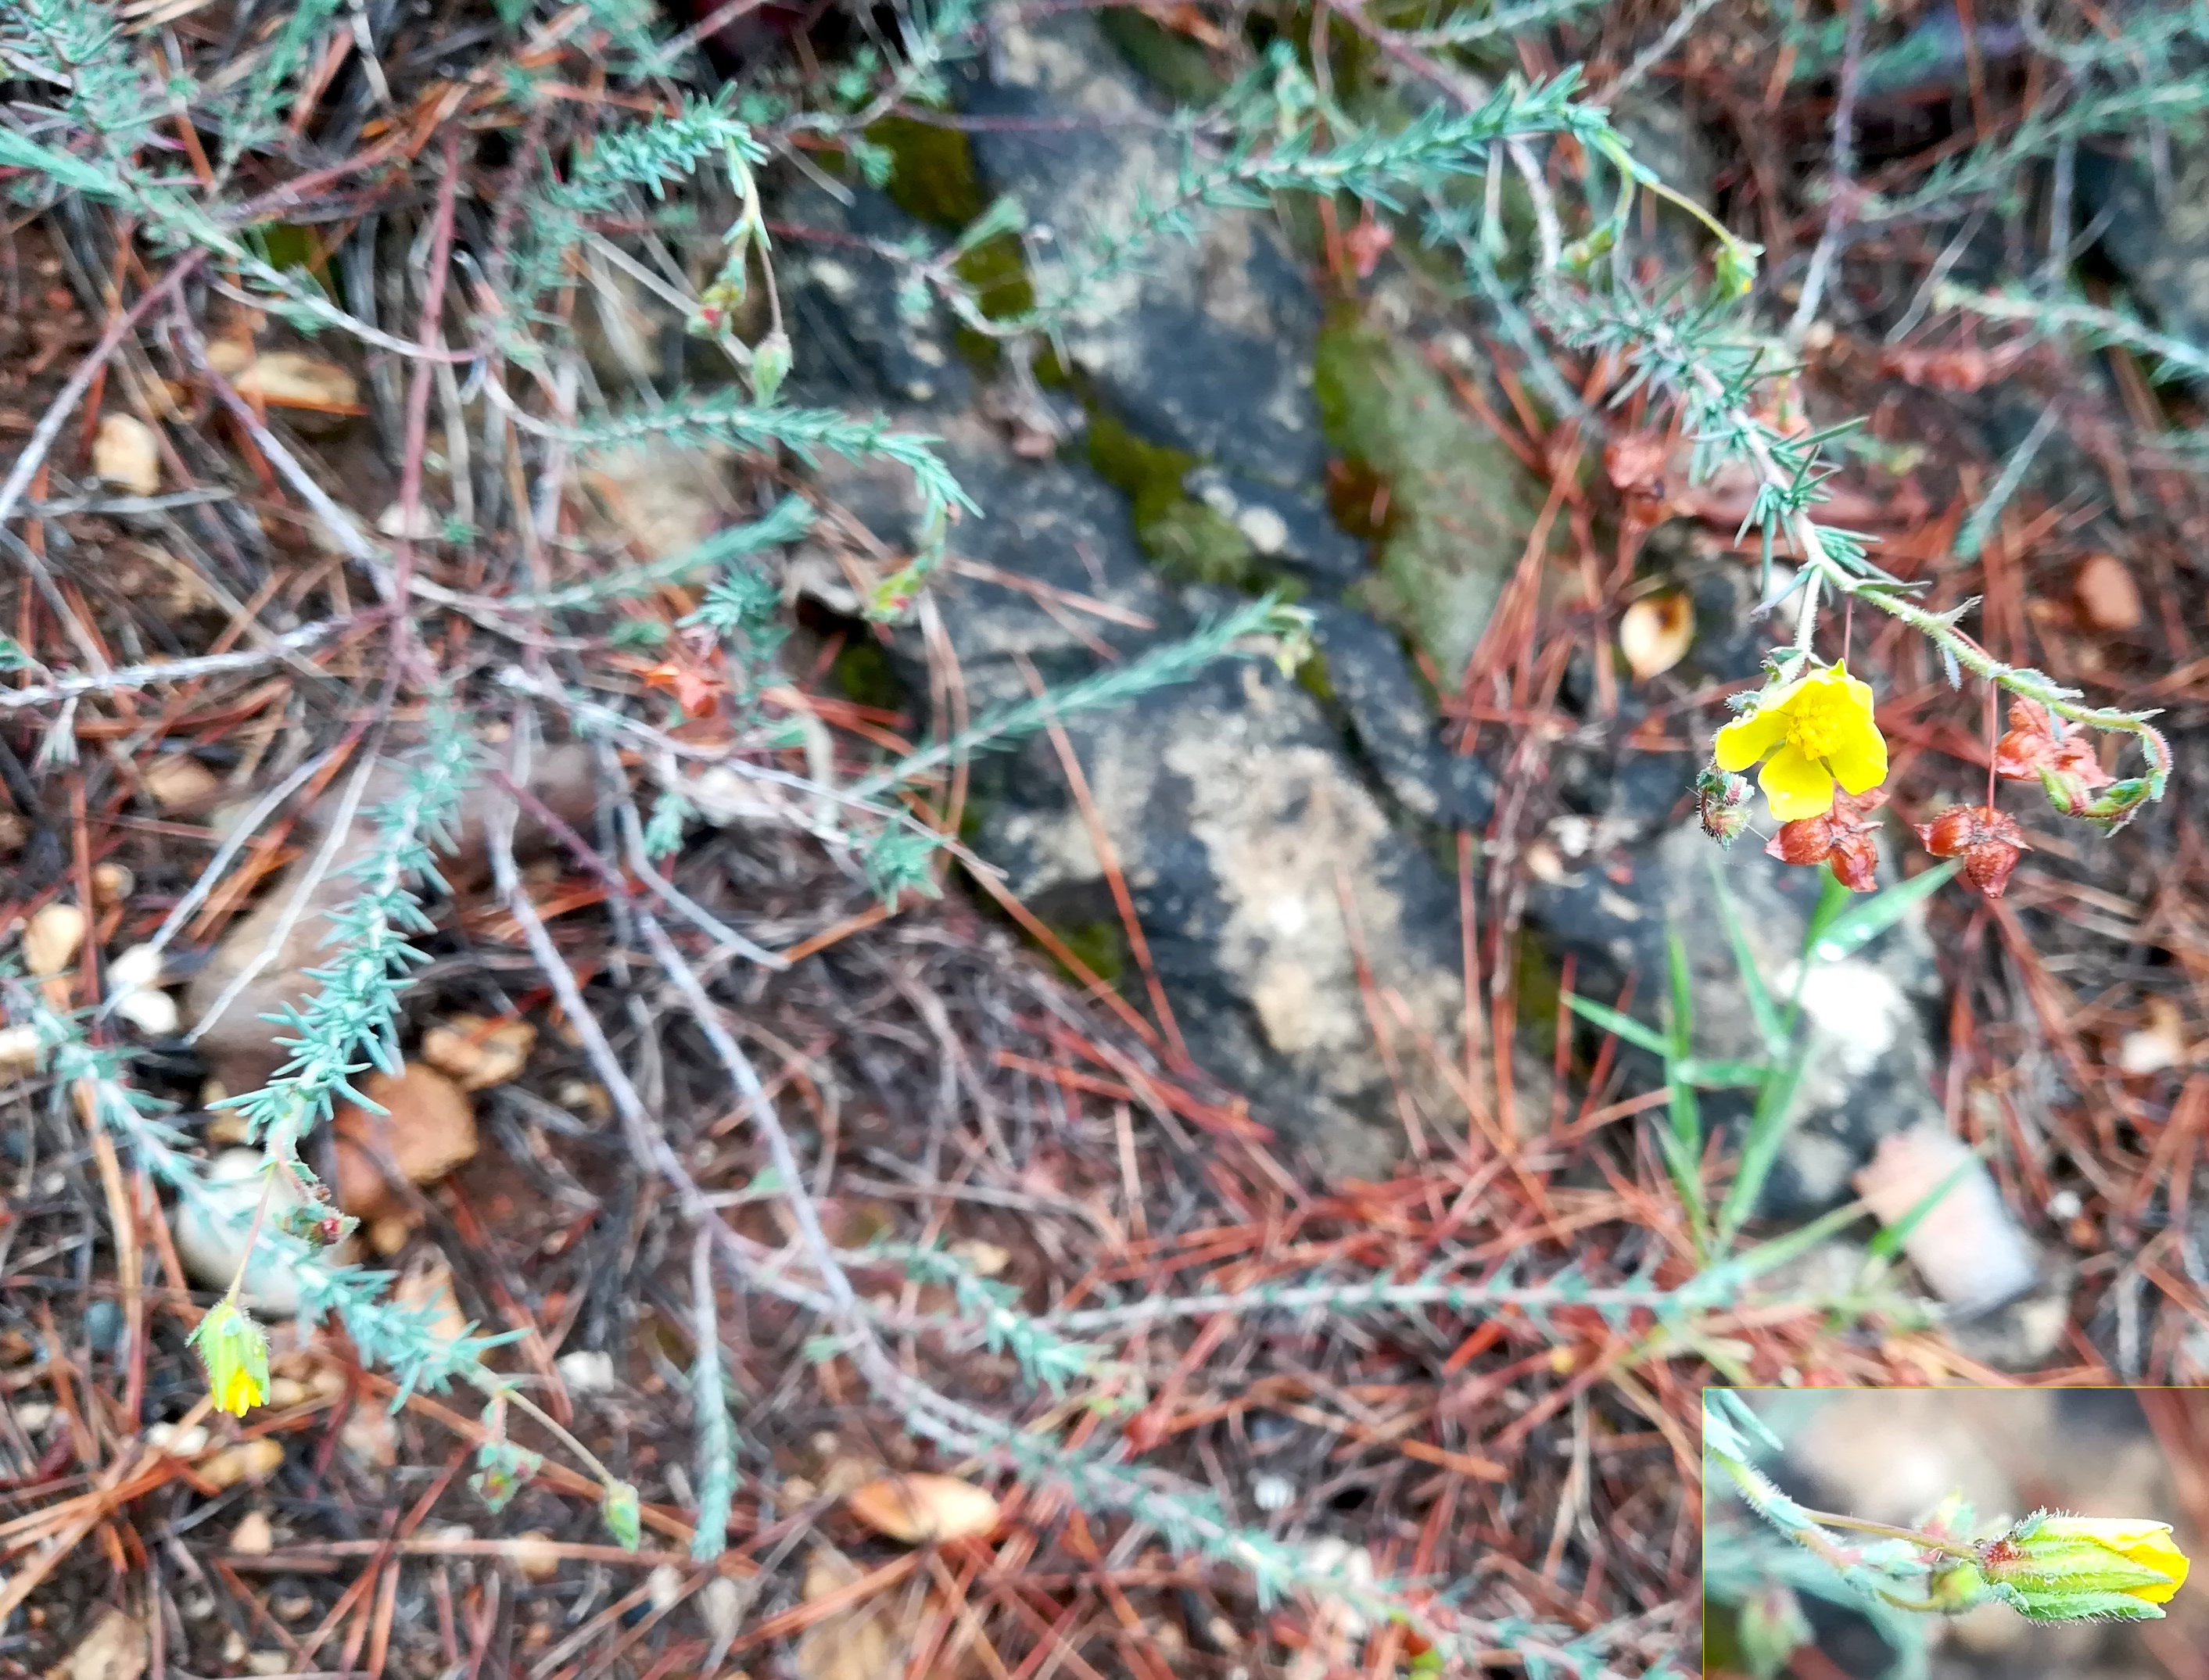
(586, 1372)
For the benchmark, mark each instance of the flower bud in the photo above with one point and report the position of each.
(1955, 1587)
(1722, 801)
(770, 366)
(236, 1354)
(1771, 1624)
(2060, 1569)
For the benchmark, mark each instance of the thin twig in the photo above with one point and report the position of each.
(182, 670)
(1840, 179)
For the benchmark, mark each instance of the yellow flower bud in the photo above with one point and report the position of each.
(236, 1354)
(2061, 1568)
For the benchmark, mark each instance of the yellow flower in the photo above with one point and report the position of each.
(2149, 1545)
(1810, 733)
(236, 1354)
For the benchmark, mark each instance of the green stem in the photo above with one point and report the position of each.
(516, 1396)
(1887, 1531)
(2033, 685)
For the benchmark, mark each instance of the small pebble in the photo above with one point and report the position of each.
(254, 1535)
(586, 1372)
(103, 1326)
(186, 1443)
(721, 1607)
(663, 1588)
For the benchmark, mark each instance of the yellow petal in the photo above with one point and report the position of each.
(1744, 741)
(1795, 786)
(1860, 763)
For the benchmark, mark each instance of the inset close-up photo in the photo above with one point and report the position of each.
(1955, 1533)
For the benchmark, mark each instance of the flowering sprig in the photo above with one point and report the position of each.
(1691, 353)
(2046, 1567)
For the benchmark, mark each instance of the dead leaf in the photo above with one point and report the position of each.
(2158, 1045)
(427, 1287)
(2107, 594)
(369, 1438)
(981, 1258)
(254, 1537)
(478, 1053)
(1366, 243)
(175, 780)
(1655, 632)
(293, 379)
(1959, 367)
(922, 1507)
(427, 1129)
(51, 939)
(852, 1643)
(126, 453)
(115, 1649)
(1635, 463)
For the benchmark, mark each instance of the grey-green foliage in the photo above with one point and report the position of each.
(350, 1023)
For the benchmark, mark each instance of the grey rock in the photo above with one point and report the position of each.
(213, 1225)
(1663, 137)
(1206, 344)
(2162, 246)
(1049, 568)
(1239, 824)
(1461, 504)
(1235, 812)
(1871, 1068)
(103, 1327)
(1395, 727)
(853, 338)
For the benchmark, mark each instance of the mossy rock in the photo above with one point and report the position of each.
(933, 180)
(1186, 541)
(1460, 504)
(1101, 945)
(1176, 66)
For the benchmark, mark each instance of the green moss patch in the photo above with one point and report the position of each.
(1188, 541)
(1458, 504)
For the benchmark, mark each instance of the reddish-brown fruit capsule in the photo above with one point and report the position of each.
(1855, 862)
(1805, 840)
(1950, 833)
(1989, 843)
(1844, 838)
